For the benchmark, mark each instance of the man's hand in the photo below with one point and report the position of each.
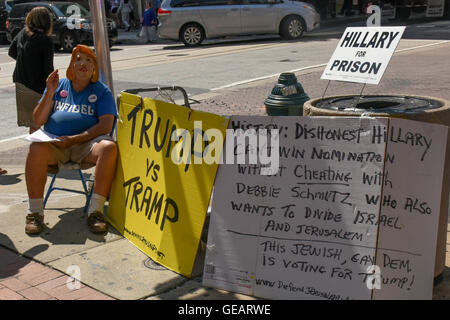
(52, 81)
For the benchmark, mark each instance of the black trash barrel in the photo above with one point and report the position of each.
(418, 108)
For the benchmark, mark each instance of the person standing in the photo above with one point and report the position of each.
(33, 51)
(115, 12)
(125, 9)
(149, 23)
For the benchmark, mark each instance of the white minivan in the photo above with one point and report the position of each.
(192, 21)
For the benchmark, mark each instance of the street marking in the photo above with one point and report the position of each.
(265, 77)
(315, 66)
(194, 54)
(13, 138)
(423, 46)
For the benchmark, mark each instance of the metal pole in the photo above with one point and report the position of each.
(359, 97)
(326, 89)
(100, 35)
(139, 9)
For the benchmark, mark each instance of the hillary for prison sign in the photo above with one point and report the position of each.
(162, 188)
(351, 213)
(363, 54)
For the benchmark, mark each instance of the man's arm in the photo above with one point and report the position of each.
(44, 107)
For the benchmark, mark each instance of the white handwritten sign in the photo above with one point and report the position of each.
(320, 226)
(363, 54)
(411, 200)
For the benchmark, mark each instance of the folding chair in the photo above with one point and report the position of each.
(87, 190)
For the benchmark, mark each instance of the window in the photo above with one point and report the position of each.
(27, 10)
(260, 1)
(184, 3)
(67, 10)
(215, 2)
(17, 12)
(196, 3)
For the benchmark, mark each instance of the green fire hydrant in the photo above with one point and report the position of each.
(287, 97)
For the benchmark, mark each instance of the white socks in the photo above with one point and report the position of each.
(36, 205)
(97, 203)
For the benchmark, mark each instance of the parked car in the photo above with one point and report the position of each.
(4, 10)
(192, 21)
(68, 30)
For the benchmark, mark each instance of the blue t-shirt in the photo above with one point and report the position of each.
(149, 16)
(74, 112)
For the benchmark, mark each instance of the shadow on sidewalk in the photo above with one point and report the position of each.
(442, 287)
(72, 229)
(9, 179)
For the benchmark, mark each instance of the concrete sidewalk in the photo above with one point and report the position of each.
(110, 267)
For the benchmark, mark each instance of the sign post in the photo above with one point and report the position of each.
(101, 42)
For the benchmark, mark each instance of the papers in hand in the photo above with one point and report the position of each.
(42, 136)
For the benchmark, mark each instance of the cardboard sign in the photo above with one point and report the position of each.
(413, 177)
(343, 216)
(363, 54)
(157, 203)
(435, 8)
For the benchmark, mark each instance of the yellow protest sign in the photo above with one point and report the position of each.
(164, 178)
